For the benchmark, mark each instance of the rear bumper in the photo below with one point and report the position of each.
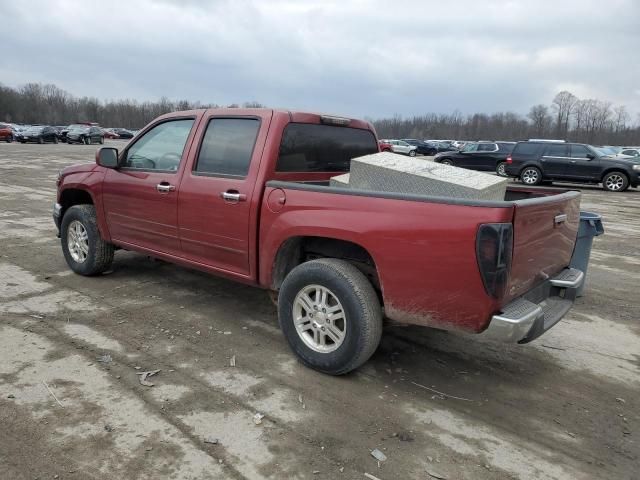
(529, 316)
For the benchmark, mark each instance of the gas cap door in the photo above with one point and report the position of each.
(276, 200)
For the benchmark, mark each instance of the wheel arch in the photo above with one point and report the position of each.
(300, 249)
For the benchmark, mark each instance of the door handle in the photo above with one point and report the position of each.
(165, 187)
(233, 196)
(560, 219)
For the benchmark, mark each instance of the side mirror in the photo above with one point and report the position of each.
(107, 157)
(590, 156)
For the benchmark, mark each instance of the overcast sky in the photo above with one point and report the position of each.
(352, 57)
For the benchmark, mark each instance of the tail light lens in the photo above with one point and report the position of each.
(494, 249)
(509, 160)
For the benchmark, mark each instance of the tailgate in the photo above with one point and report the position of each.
(544, 234)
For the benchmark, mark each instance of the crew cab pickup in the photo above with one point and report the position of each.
(245, 194)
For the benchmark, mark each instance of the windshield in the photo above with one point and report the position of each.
(470, 147)
(77, 129)
(35, 129)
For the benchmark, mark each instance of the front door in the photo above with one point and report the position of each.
(583, 164)
(141, 196)
(216, 204)
(555, 161)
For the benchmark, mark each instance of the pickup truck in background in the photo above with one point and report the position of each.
(244, 193)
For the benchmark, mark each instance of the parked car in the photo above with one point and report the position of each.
(631, 151)
(441, 146)
(7, 133)
(400, 146)
(421, 147)
(64, 131)
(535, 162)
(483, 156)
(123, 133)
(251, 190)
(85, 134)
(39, 134)
(110, 134)
(385, 145)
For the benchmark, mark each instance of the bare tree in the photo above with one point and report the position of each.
(540, 119)
(563, 104)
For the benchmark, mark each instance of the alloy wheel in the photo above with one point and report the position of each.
(319, 318)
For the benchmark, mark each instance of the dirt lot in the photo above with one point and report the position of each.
(564, 407)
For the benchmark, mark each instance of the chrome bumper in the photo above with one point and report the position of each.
(529, 316)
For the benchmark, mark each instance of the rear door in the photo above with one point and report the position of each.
(545, 230)
(141, 196)
(584, 165)
(216, 204)
(485, 158)
(555, 160)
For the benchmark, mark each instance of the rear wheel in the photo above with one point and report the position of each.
(446, 161)
(531, 176)
(40, 140)
(615, 182)
(87, 140)
(84, 249)
(55, 139)
(412, 153)
(330, 315)
(101, 140)
(501, 169)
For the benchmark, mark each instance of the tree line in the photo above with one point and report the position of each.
(567, 117)
(48, 104)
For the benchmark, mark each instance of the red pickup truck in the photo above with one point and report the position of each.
(244, 193)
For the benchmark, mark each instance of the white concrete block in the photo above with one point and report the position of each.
(389, 172)
(340, 181)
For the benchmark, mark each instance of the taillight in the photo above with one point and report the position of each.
(509, 160)
(494, 247)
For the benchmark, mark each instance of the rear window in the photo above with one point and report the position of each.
(322, 148)
(527, 148)
(560, 150)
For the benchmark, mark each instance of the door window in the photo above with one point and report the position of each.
(161, 147)
(487, 147)
(227, 147)
(557, 151)
(579, 151)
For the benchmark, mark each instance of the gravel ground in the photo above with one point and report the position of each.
(71, 407)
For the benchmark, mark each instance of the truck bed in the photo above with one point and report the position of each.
(424, 247)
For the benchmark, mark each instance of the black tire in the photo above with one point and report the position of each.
(412, 153)
(40, 140)
(9, 139)
(361, 307)
(55, 140)
(432, 153)
(100, 253)
(101, 140)
(615, 182)
(531, 176)
(87, 140)
(446, 161)
(500, 169)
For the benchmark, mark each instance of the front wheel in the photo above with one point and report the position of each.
(84, 249)
(55, 140)
(531, 176)
(40, 140)
(446, 161)
(412, 153)
(615, 182)
(101, 140)
(501, 169)
(87, 140)
(330, 315)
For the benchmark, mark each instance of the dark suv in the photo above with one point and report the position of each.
(483, 156)
(534, 162)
